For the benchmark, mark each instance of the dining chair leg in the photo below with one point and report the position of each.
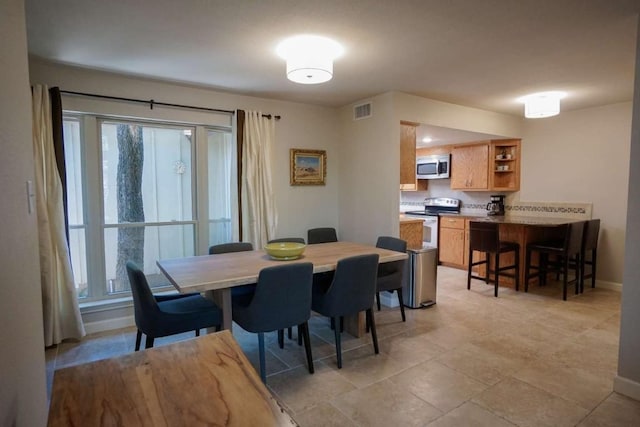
(594, 256)
(300, 336)
(565, 271)
(281, 338)
(583, 257)
(290, 332)
(577, 275)
(303, 330)
(197, 332)
(378, 300)
(401, 302)
(374, 335)
(263, 374)
(469, 269)
(138, 339)
(527, 267)
(336, 332)
(149, 342)
(497, 272)
(517, 260)
(341, 324)
(487, 257)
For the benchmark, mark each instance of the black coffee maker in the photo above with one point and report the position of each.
(496, 205)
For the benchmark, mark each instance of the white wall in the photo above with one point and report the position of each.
(301, 126)
(628, 380)
(582, 156)
(23, 399)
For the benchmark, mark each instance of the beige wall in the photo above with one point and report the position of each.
(22, 370)
(583, 156)
(369, 173)
(301, 126)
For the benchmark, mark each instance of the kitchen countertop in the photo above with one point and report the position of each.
(518, 220)
(408, 220)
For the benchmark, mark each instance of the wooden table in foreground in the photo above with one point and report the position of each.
(203, 381)
(217, 274)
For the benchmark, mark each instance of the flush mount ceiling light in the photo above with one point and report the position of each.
(309, 58)
(427, 139)
(542, 104)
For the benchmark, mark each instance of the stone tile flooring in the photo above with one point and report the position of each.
(472, 359)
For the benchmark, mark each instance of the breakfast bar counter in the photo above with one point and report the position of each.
(522, 230)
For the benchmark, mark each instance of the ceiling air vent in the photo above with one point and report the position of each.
(362, 111)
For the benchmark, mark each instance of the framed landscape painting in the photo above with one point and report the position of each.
(308, 167)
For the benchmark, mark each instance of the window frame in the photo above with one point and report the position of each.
(93, 196)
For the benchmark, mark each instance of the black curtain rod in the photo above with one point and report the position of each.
(151, 103)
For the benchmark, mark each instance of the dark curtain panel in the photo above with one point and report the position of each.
(239, 145)
(58, 146)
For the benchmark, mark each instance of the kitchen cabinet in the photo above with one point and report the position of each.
(504, 165)
(470, 166)
(452, 240)
(486, 165)
(408, 181)
(411, 231)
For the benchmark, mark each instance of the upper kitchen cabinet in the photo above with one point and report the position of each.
(408, 181)
(504, 165)
(469, 167)
(486, 165)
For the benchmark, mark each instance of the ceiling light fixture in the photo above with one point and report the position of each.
(309, 58)
(542, 104)
(427, 139)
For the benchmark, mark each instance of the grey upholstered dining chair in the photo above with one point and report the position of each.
(282, 298)
(161, 316)
(224, 248)
(321, 235)
(390, 274)
(287, 239)
(352, 291)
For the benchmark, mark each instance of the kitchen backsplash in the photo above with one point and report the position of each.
(476, 202)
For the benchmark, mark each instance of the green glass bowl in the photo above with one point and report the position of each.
(284, 251)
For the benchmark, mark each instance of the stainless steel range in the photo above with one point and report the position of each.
(433, 208)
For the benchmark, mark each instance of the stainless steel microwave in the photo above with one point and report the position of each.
(433, 167)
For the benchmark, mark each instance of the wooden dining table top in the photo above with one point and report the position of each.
(214, 272)
(206, 381)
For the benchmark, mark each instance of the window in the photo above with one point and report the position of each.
(133, 195)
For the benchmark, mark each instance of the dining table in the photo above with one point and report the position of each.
(197, 382)
(216, 275)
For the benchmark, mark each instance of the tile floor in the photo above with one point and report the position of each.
(471, 360)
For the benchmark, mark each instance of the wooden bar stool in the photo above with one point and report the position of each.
(589, 244)
(563, 251)
(485, 237)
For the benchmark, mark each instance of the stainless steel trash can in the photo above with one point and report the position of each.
(419, 287)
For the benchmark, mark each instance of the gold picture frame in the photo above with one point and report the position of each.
(308, 167)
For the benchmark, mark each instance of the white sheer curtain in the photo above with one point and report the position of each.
(259, 216)
(223, 203)
(60, 304)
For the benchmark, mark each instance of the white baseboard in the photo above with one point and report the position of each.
(109, 324)
(614, 286)
(627, 387)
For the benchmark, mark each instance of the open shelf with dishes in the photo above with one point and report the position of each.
(504, 164)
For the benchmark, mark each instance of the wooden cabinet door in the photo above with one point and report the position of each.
(470, 167)
(451, 247)
(407, 155)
